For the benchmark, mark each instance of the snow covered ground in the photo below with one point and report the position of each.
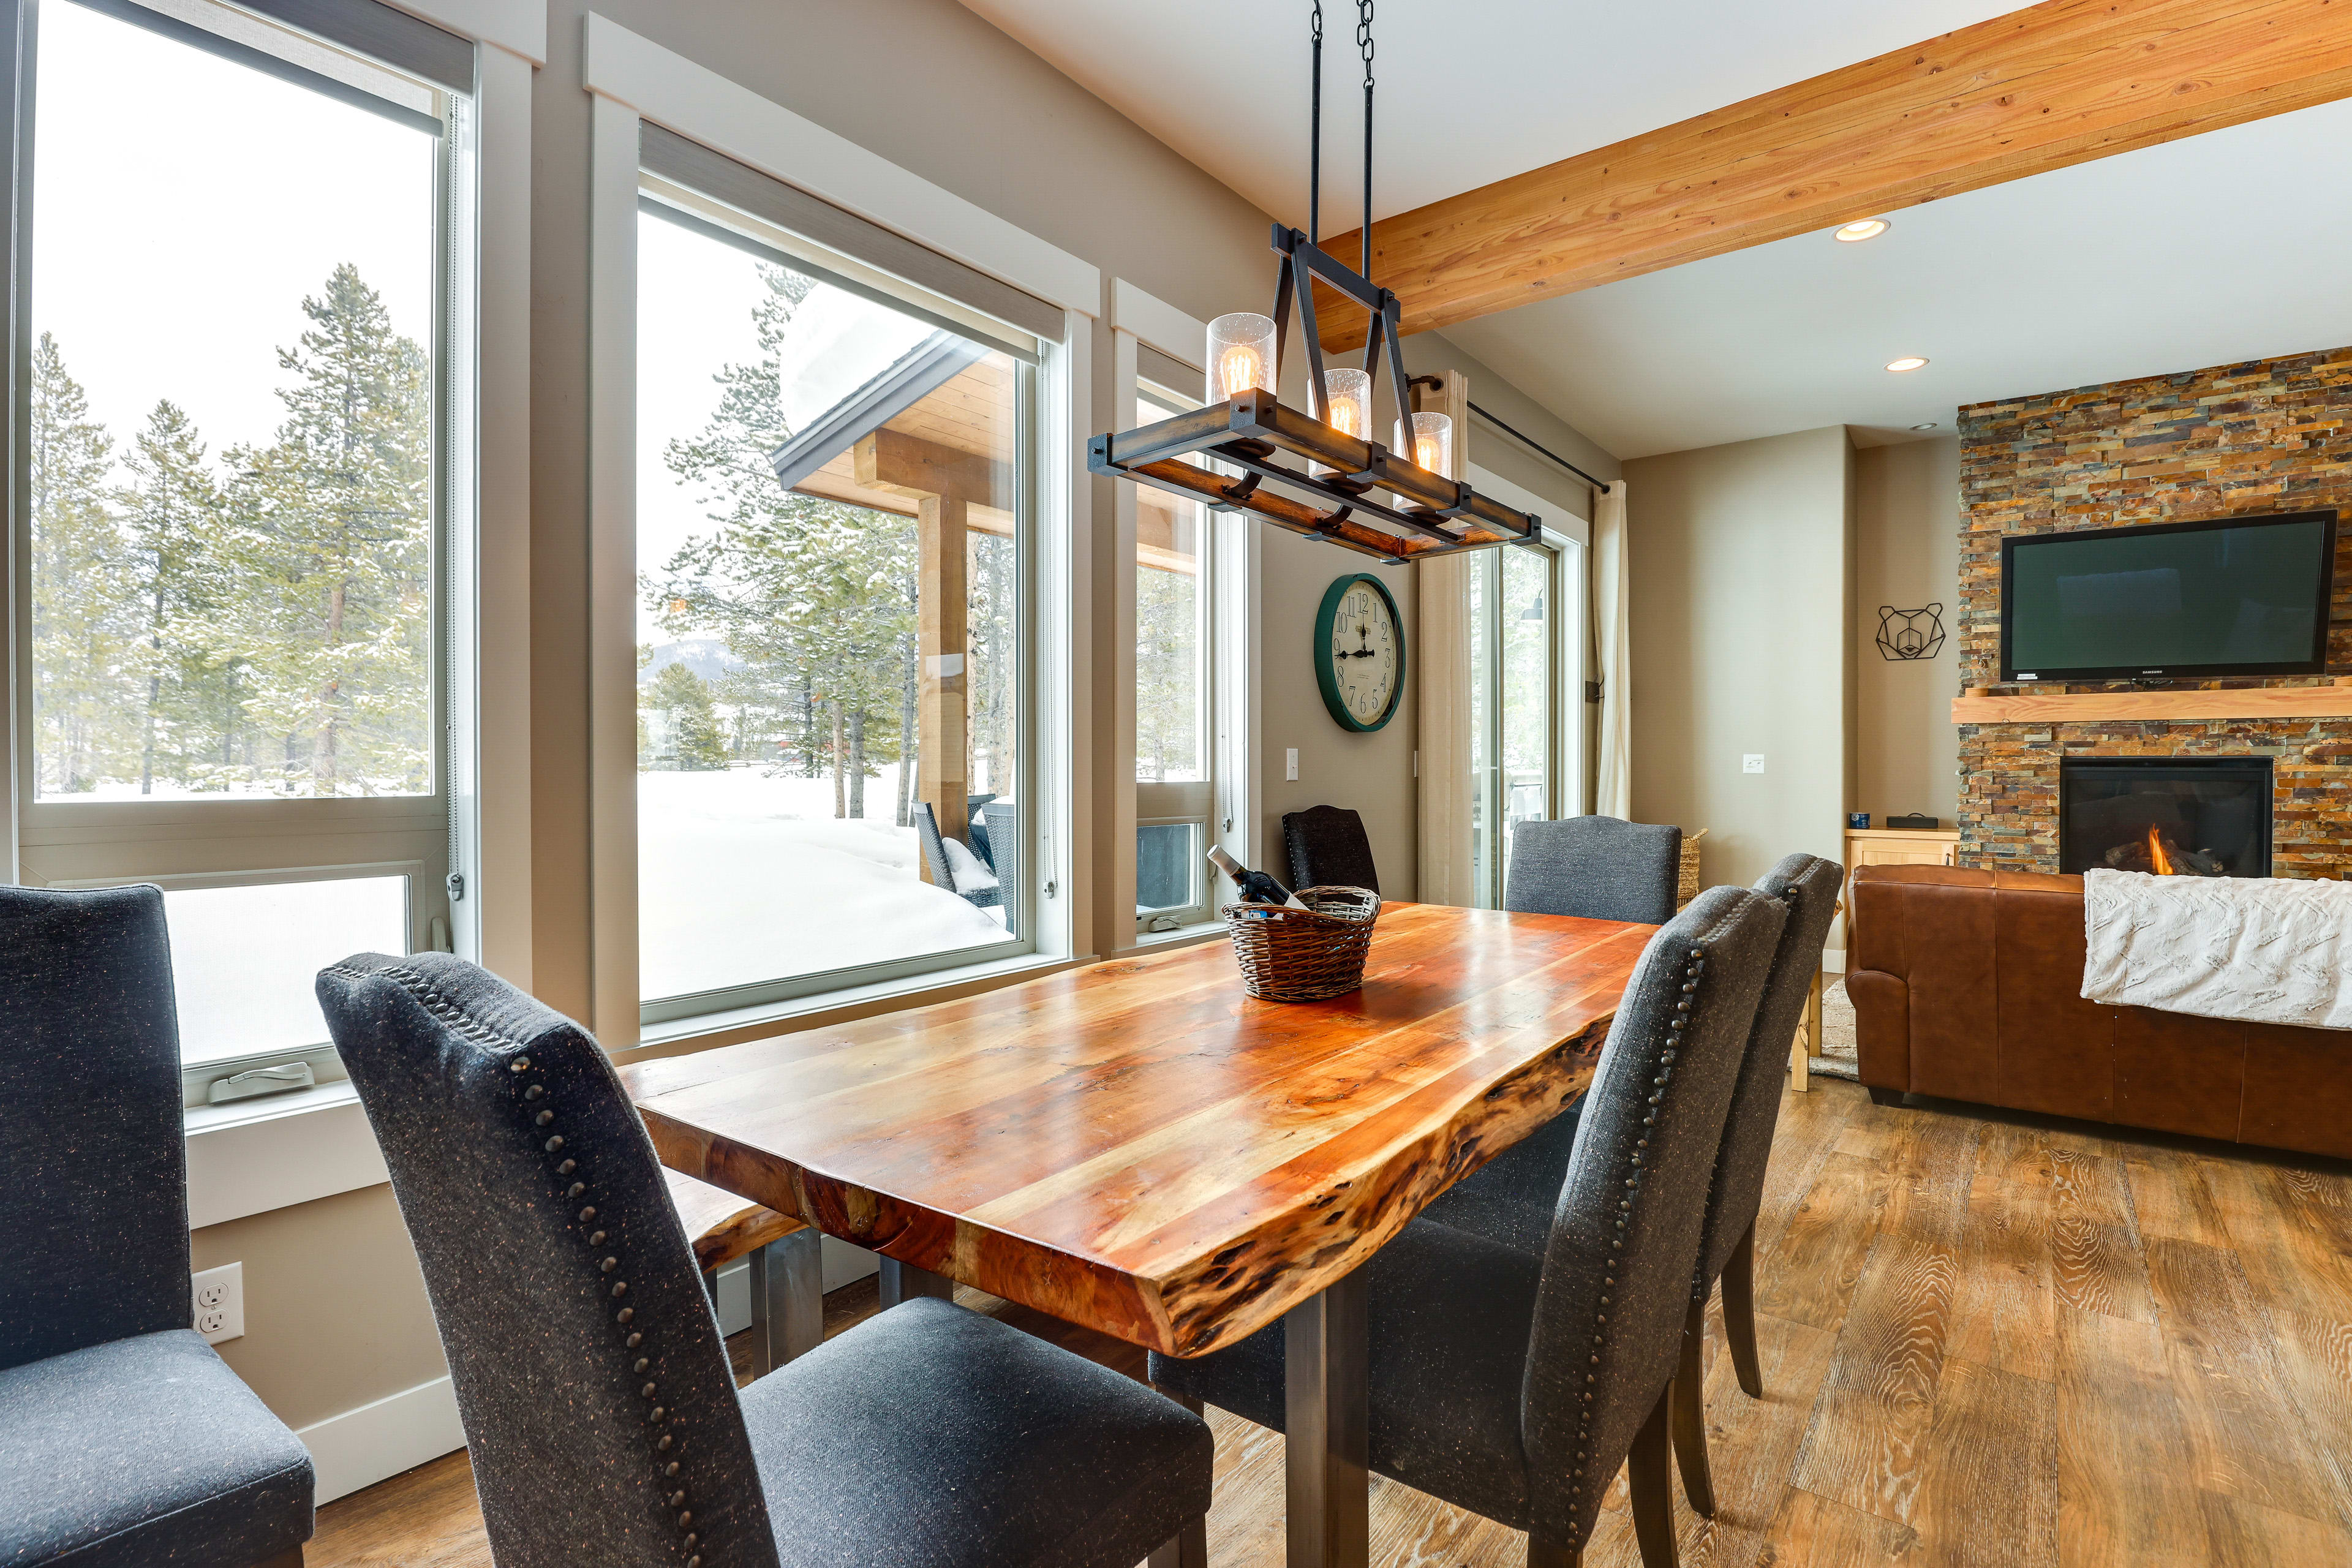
(742, 878)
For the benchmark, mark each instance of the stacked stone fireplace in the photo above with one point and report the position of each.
(2268, 435)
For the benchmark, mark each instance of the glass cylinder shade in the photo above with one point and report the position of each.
(1433, 443)
(1241, 354)
(1347, 407)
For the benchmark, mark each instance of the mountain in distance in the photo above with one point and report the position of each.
(706, 657)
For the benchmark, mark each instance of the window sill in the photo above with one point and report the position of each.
(679, 1035)
(1183, 936)
(250, 1156)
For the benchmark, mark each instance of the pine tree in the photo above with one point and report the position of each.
(79, 632)
(330, 544)
(684, 697)
(172, 521)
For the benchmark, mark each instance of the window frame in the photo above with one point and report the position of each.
(187, 844)
(1563, 767)
(637, 84)
(1190, 802)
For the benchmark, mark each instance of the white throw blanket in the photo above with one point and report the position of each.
(2257, 949)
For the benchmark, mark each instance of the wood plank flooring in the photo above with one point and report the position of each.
(1987, 1340)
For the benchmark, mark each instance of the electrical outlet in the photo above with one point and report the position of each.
(1751, 763)
(1290, 764)
(220, 1302)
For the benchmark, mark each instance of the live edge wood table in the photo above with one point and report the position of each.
(1143, 1147)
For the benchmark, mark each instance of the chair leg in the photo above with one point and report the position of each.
(1739, 1315)
(1647, 1478)
(1188, 1548)
(1544, 1554)
(1889, 1097)
(1690, 1413)
(787, 1299)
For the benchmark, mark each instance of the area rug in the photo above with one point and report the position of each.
(1837, 1057)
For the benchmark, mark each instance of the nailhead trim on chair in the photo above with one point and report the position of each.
(1680, 1021)
(448, 1013)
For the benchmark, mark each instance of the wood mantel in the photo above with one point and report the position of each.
(1978, 706)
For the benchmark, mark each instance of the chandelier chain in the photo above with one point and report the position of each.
(1364, 43)
(1314, 133)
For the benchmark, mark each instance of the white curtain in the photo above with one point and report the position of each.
(1612, 794)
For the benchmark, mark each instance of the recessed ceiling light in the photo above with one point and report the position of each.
(1908, 361)
(1929, 426)
(1868, 228)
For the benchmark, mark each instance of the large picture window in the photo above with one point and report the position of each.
(232, 529)
(830, 514)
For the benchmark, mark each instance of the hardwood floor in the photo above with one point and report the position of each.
(1987, 1340)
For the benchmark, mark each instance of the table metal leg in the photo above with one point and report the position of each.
(1327, 1417)
(787, 1299)
(904, 1282)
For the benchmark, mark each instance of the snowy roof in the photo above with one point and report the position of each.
(861, 365)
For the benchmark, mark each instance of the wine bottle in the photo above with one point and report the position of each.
(1256, 887)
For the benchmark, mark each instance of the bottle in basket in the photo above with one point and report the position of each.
(1256, 887)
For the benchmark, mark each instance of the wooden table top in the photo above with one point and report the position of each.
(1141, 1147)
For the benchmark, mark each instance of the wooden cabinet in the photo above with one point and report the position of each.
(1901, 847)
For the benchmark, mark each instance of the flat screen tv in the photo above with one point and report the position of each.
(2242, 595)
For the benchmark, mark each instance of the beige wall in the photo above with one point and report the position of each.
(335, 1314)
(1741, 560)
(1370, 774)
(1906, 554)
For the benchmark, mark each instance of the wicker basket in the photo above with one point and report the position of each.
(1304, 955)
(1687, 888)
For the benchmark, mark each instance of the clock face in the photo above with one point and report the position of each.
(1362, 653)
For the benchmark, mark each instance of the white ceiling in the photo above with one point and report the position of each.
(2222, 247)
(1466, 91)
(2218, 248)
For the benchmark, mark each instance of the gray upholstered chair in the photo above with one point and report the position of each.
(1327, 848)
(1510, 1200)
(124, 1440)
(1807, 886)
(603, 1423)
(1601, 868)
(1512, 1384)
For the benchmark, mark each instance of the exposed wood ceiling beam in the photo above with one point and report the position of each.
(2052, 84)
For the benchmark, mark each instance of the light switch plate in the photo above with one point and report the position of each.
(1290, 763)
(1751, 763)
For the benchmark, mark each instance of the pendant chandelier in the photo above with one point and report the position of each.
(1353, 491)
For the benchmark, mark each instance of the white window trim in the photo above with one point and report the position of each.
(633, 80)
(1137, 317)
(252, 1156)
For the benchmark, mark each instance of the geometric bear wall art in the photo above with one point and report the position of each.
(1910, 634)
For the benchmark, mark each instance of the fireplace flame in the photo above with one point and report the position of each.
(2157, 858)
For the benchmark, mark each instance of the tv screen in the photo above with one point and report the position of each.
(2243, 597)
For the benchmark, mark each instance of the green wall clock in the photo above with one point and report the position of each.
(1360, 652)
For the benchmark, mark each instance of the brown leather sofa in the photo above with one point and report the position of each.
(1967, 985)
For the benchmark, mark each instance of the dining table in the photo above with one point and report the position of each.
(1141, 1147)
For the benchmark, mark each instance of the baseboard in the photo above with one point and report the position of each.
(379, 1440)
(402, 1431)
